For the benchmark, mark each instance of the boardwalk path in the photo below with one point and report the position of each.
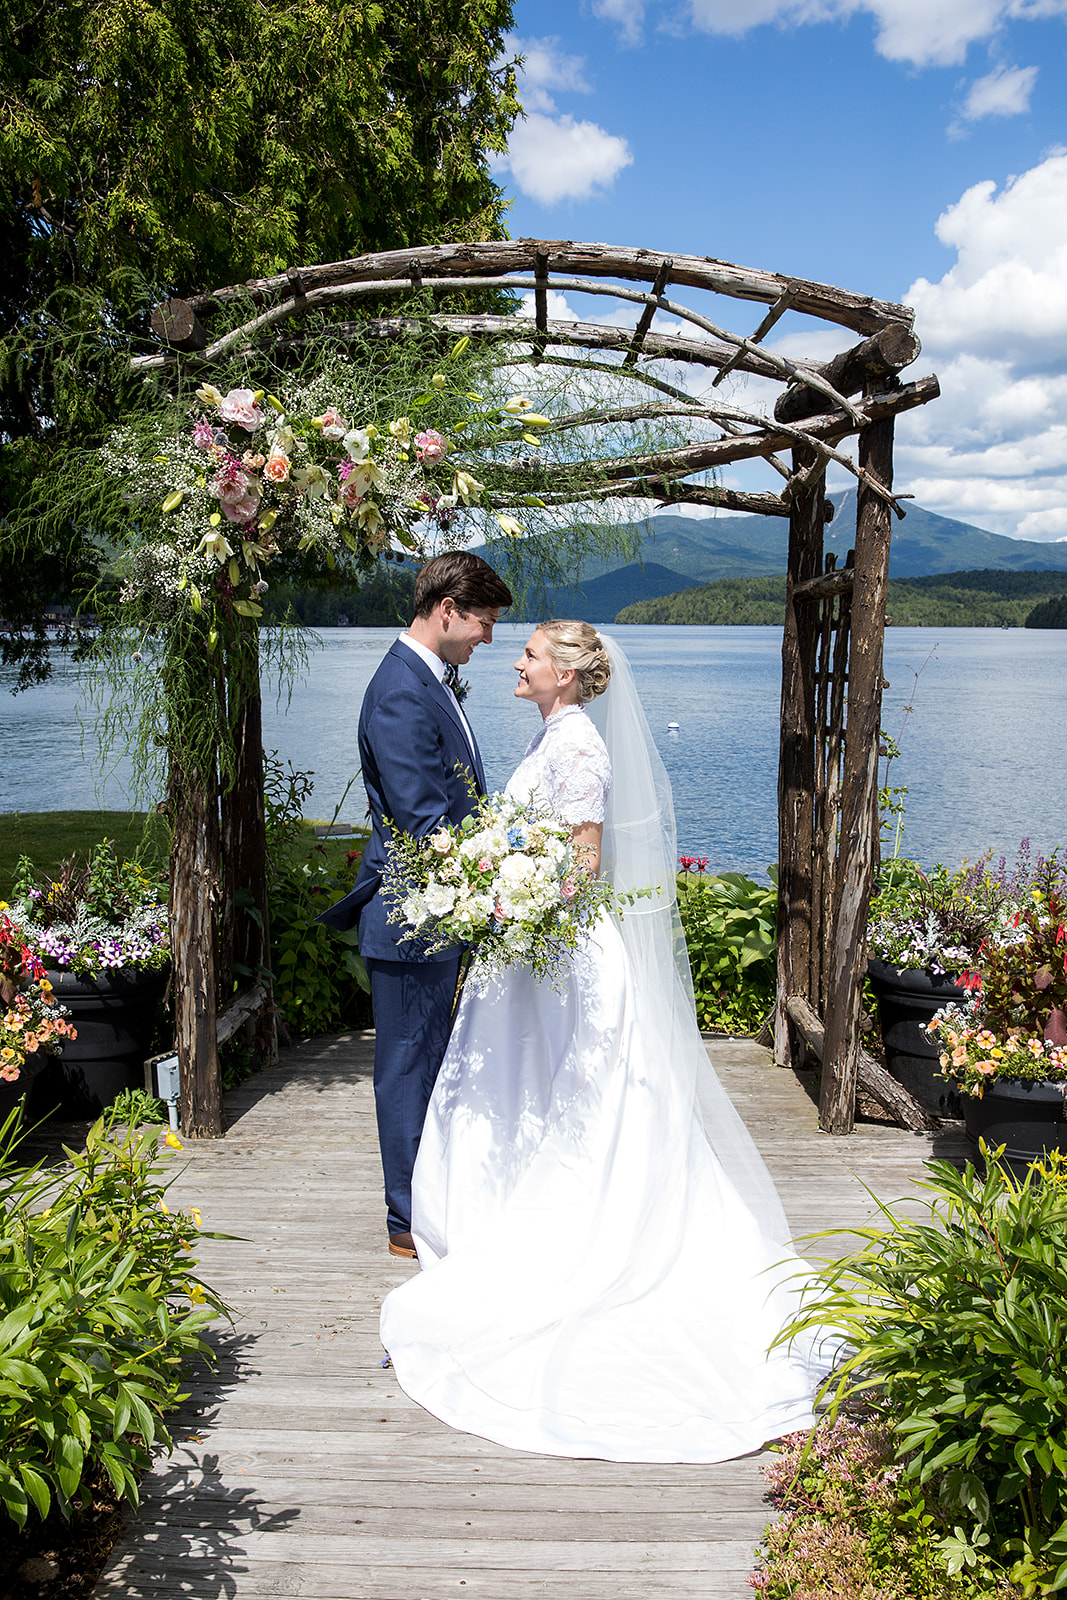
(301, 1468)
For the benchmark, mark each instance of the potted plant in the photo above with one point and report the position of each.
(32, 1022)
(1006, 1049)
(100, 931)
(923, 937)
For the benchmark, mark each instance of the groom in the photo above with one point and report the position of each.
(417, 750)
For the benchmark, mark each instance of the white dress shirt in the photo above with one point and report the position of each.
(437, 667)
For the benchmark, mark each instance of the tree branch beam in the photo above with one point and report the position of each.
(862, 313)
(780, 365)
(707, 454)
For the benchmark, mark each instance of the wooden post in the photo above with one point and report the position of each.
(194, 869)
(859, 790)
(796, 764)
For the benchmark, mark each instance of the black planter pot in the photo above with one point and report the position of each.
(907, 999)
(115, 1017)
(1028, 1119)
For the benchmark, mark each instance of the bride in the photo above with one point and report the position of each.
(605, 1260)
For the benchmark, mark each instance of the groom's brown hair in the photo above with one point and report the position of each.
(462, 577)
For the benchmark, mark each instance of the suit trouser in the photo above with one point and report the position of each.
(412, 1002)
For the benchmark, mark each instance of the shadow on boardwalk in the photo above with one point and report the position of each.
(301, 1468)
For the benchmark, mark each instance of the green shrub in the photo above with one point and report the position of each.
(100, 1309)
(729, 923)
(960, 1323)
(320, 982)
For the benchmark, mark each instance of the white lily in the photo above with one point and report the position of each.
(467, 488)
(217, 545)
(357, 444)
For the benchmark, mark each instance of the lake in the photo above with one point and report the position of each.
(982, 747)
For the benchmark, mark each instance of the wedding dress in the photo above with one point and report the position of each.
(604, 1257)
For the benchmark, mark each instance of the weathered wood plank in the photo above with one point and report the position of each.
(284, 1480)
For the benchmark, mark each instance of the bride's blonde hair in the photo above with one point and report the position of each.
(577, 645)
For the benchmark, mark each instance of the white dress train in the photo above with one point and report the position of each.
(593, 1284)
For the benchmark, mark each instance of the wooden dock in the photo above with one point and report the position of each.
(300, 1466)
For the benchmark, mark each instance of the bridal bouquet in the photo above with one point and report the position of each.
(504, 881)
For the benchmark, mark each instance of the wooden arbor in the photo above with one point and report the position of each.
(832, 643)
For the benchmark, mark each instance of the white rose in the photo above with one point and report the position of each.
(441, 842)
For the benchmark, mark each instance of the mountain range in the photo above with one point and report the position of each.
(682, 552)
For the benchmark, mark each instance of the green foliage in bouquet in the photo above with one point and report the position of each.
(730, 925)
(959, 1324)
(100, 1310)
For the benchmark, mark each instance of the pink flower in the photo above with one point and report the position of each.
(238, 494)
(276, 469)
(203, 434)
(240, 406)
(484, 864)
(332, 423)
(959, 1056)
(9, 1072)
(985, 1066)
(431, 447)
(568, 888)
(351, 493)
(252, 462)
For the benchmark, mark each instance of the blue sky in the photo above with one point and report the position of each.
(911, 149)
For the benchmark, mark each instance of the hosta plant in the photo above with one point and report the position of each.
(729, 923)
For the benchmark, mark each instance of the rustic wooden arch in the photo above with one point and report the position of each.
(835, 617)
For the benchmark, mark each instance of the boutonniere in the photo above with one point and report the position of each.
(454, 682)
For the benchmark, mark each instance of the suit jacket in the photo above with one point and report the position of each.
(416, 760)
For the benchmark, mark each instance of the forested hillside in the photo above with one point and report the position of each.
(986, 598)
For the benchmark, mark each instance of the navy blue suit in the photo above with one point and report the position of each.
(417, 763)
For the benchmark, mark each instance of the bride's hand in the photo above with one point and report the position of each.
(585, 846)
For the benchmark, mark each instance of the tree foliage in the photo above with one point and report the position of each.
(154, 147)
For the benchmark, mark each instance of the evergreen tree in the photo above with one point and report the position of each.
(165, 146)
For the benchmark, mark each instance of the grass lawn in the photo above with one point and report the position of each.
(49, 837)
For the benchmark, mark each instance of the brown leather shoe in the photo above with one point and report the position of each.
(402, 1244)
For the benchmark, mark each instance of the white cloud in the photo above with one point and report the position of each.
(556, 158)
(551, 156)
(921, 32)
(1004, 92)
(629, 14)
(546, 67)
(993, 449)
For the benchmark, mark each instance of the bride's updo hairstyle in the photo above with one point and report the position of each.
(577, 646)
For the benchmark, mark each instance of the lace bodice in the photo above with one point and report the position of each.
(566, 766)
